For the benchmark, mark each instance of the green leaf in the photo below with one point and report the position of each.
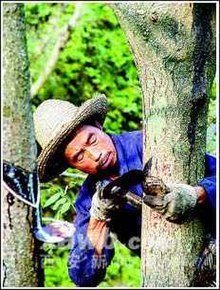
(52, 199)
(59, 202)
(65, 207)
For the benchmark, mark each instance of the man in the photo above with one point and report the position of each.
(71, 136)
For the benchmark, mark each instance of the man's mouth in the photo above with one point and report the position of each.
(103, 164)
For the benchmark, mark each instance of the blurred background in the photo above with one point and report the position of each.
(76, 51)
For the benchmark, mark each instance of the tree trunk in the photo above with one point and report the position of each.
(174, 50)
(21, 257)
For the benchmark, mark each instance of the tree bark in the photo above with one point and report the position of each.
(21, 256)
(174, 49)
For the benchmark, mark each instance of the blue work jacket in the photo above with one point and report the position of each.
(85, 268)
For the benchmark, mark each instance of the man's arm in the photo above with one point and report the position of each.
(87, 264)
(97, 232)
(208, 183)
(201, 194)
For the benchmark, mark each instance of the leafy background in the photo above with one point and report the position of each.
(96, 59)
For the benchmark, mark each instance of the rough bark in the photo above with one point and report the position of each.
(174, 49)
(21, 260)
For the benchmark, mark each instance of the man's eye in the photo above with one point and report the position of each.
(92, 139)
(79, 157)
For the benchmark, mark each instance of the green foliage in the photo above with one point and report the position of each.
(55, 265)
(124, 270)
(61, 202)
(90, 62)
(211, 129)
(58, 197)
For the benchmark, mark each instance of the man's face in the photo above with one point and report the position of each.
(91, 150)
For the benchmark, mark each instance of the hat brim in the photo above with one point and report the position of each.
(51, 161)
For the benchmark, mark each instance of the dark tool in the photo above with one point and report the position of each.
(152, 186)
(120, 187)
(25, 186)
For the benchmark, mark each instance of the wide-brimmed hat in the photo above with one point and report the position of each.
(55, 121)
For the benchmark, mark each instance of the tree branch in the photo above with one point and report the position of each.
(62, 40)
(53, 26)
(74, 175)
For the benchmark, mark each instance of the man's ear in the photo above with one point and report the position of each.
(98, 125)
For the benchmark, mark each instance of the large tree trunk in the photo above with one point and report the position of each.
(21, 258)
(174, 50)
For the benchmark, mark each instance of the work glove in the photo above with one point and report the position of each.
(102, 208)
(177, 205)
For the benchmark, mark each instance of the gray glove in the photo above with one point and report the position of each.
(102, 208)
(177, 205)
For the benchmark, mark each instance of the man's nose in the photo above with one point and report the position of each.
(93, 154)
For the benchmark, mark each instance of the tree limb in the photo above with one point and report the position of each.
(53, 23)
(74, 175)
(62, 40)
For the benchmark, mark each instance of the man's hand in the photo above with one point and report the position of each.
(177, 205)
(101, 208)
(100, 212)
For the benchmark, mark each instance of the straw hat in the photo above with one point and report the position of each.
(54, 121)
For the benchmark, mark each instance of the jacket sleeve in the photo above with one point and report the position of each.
(84, 267)
(209, 181)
